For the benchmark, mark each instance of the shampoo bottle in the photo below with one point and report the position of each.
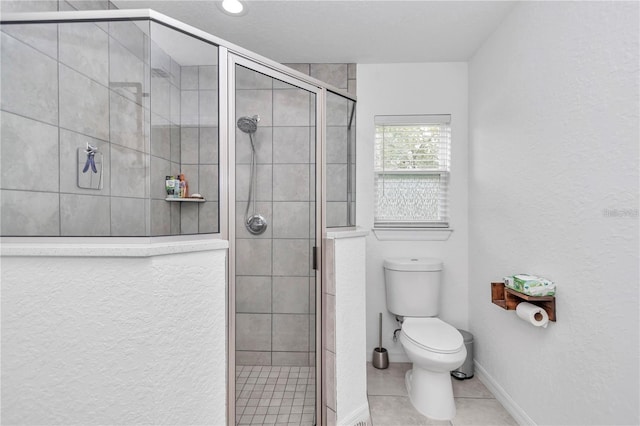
(176, 191)
(184, 186)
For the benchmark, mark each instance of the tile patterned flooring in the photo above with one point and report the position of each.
(267, 395)
(390, 405)
(286, 396)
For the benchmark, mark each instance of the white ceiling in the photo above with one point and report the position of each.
(359, 31)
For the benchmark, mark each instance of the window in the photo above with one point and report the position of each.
(412, 156)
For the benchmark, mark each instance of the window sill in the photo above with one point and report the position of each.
(412, 234)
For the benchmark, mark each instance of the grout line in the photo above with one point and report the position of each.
(8, 25)
(59, 132)
(109, 131)
(36, 119)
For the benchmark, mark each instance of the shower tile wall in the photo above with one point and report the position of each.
(165, 76)
(274, 278)
(199, 143)
(184, 126)
(340, 161)
(68, 85)
(60, 92)
(275, 287)
(342, 76)
(338, 140)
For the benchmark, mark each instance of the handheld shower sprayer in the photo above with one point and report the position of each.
(256, 223)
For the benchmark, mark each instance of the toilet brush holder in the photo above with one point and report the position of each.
(380, 357)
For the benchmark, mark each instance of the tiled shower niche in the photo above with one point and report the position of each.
(141, 94)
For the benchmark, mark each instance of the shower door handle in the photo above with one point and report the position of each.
(315, 258)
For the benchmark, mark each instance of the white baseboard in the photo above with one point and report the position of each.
(501, 395)
(359, 416)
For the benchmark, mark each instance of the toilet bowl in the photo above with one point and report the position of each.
(435, 348)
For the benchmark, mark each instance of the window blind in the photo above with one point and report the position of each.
(411, 166)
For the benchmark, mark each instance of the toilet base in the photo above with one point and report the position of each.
(431, 393)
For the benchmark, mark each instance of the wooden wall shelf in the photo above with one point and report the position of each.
(509, 299)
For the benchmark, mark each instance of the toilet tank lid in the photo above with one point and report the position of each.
(413, 264)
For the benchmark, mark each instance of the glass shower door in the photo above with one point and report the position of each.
(273, 245)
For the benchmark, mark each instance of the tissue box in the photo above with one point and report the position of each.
(531, 285)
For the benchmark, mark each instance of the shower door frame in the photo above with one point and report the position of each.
(232, 60)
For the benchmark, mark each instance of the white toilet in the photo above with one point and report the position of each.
(434, 347)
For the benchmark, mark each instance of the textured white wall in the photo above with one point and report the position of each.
(396, 89)
(351, 353)
(553, 145)
(112, 340)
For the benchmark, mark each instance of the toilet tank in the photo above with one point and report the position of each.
(413, 286)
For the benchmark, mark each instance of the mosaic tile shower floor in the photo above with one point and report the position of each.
(269, 395)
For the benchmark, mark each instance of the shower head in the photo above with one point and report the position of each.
(248, 124)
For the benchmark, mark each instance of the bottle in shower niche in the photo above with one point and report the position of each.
(184, 186)
(170, 185)
(176, 184)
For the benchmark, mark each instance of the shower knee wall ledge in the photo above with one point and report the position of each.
(107, 246)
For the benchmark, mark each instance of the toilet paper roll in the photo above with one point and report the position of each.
(533, 314)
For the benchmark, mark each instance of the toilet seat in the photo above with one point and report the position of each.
(433, 334)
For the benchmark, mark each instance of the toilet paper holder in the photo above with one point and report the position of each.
(509, 299)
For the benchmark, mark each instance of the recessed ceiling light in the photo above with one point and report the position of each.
(233, 7)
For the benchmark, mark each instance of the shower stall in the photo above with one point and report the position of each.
(104, 113)
(280, 206)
